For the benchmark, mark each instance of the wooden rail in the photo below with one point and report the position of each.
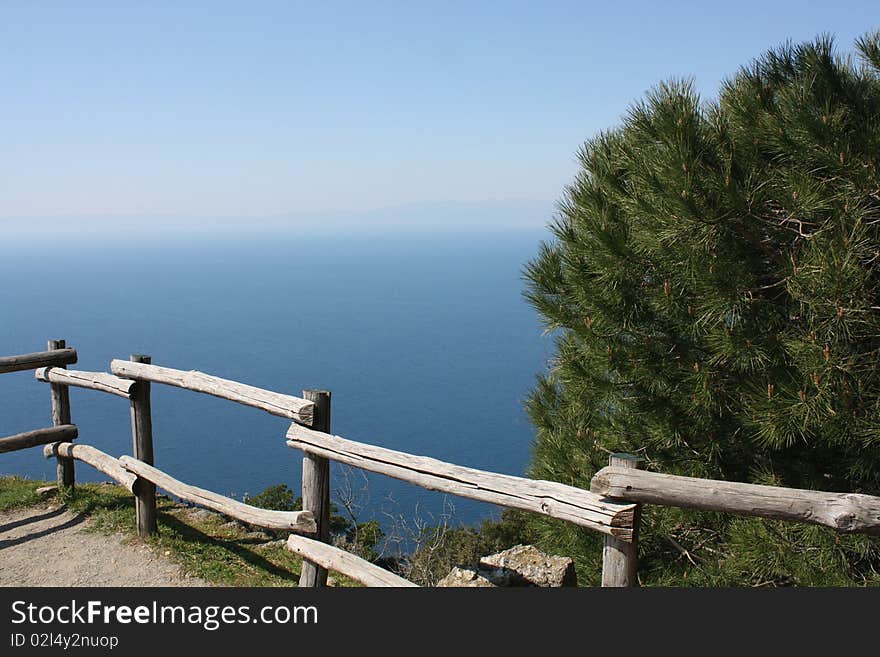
(333, 558)
(295, 521)
(37, 359)
(550, 498)
(100, 381)
(611, 506)
(94, 457)
(288, 406)
(845, 512)
(64, 432)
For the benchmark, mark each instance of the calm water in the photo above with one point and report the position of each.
(425, 343)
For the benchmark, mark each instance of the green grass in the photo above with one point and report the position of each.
(221, 553)
(16, 492)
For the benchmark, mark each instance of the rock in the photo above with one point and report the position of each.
(236, 525)
(461, 576)
(526, 565)
(521, 565)
(202, 514)
(47, 491)
(260, 533)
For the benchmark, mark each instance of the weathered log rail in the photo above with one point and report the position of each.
(100, 381)
(294, 521)
(550, 498)
(127, 470)
(333, 558)
(287, 406)
(611, 506)
(844, 512)
(37, 437)
(51, 358)
(96, 458)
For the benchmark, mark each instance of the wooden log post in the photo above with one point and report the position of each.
(316, 488)
(620, 559)
(142, 447)
(61, 416)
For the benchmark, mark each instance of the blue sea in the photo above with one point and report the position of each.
(424, 340)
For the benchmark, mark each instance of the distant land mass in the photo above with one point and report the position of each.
(434, 216)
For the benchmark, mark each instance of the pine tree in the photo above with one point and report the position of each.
(712, 286)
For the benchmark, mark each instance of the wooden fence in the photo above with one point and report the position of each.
(611, 506)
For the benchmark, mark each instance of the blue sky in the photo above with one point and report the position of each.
(250, 109)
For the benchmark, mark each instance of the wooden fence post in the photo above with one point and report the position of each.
(142, 448)
(620, 559)
(61, 415)
(316, 487)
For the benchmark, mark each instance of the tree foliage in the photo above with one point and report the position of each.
(712, 286)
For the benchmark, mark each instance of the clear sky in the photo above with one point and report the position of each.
(244, 109)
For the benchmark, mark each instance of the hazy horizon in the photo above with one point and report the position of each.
(411, 218)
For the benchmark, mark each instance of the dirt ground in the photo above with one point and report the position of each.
(51, 546)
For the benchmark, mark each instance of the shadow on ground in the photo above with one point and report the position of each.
(71, 522)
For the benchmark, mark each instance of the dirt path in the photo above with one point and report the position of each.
(51, 546)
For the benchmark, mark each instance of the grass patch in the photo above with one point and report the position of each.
(17, 492)
(204, 545)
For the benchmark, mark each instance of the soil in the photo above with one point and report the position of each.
(49, 545)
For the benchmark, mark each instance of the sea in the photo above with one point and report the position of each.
(424, 340)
